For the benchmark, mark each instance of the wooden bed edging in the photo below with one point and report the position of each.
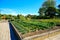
(34, 36)
(17, 33)
(41, 35)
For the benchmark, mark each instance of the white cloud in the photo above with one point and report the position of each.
(14, 12)
(8, 11)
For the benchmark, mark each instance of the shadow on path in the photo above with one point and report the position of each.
(13, 33)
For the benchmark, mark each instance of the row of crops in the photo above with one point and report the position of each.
(25, 27)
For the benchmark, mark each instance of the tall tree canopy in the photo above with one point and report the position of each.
(59, 6)
(45, 6)
(49, 3)
(59, 9)
(51, 11)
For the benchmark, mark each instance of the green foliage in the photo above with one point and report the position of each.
(49, 3)
(31, 26)
(48, 8)
(31, 16)
(59, 6)
(21, 17)
(59, 9)
(41, 11)
(0, 16)
(50, 12)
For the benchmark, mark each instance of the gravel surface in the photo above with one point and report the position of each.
(4, 30)
(57, 37)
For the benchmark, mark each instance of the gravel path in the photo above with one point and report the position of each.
(4, 30)
(57, 37)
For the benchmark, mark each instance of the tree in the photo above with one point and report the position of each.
(31, 16)
(59, 9)
(3, 17)
(51, 11)
(59, 6)
(49, 3)
(21, 17)
(0, 16)
(18, 16)
(45, 6)
(41, 11)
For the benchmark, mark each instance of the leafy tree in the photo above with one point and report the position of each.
(18, 16)
(0, 16)
(45, 6)
(49, 3)
(21, 17)
(31, 16)
(59, 6)
(41, 11)
(50, 12)
(59, 9)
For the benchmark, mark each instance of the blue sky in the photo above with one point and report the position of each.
(23, 7)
